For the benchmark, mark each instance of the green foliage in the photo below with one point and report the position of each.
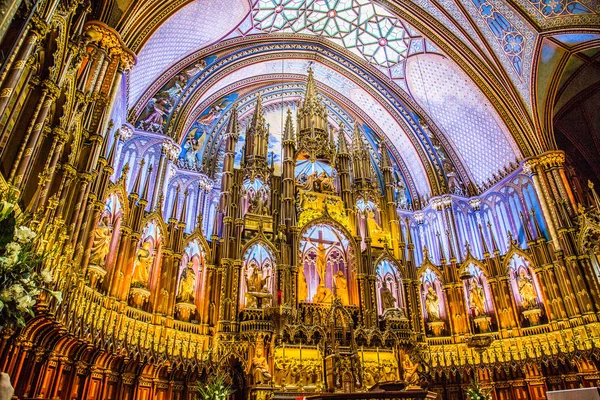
(475, 392)
(215, 388)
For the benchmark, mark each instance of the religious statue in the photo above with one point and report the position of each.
(260, 368)
(302, 285)
(387, 298)
(341, 287)
(527, 291)
(476, 298)
(411, 375)
(141, 266)
(187, 285)
(163, 302)
(256, 289)
(432, 304)
(372, 224)
(321, 262)
(100, 247)
(323, 295)
(327, 183)
(257, 204)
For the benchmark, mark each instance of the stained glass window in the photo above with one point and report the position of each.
(359, 25)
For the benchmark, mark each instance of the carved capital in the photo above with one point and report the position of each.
(108, 39)
(552, 159)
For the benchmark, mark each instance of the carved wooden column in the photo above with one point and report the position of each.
(21, 167)
(37, 31)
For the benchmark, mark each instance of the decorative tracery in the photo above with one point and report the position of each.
(360, 26)
(325, 269)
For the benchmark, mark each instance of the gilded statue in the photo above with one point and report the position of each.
(101, 245)
(476, 298)
(323, 295)
(341, 288)
(260, 368)
(372, 224)
(411, 374)
(141, 267)
(432, 304)
(187, 285)
(321, 262)
(387, 298)
(302, 285)
(527, 291)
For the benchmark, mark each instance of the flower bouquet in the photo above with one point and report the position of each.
(21, 276)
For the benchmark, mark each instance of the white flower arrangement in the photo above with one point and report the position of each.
(21, 277)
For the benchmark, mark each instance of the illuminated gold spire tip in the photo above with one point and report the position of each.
(311, 89)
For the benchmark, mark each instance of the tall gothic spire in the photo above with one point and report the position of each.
(311, 88)
(233, 125)
(342, 142)
(288, 132)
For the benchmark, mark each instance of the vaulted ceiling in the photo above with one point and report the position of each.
(452, 86)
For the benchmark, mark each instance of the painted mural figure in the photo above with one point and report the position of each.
(387, 298)
(432, 304)
(527, 291)
(192, 147)
(156, 112)
(214, 113)
(341, 288)
(476, 298)
(101, 245)
(187, 285)
(141, 267)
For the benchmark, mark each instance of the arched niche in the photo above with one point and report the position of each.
(478, 298)
(191, 281)
(326, 266)
(257, 278)
(106, 238)
(433, 305)
(390, 291)
(371, 222)
(145, 264)
(526, 289)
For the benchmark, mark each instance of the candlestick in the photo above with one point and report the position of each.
(283, 349)
(300, 352)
